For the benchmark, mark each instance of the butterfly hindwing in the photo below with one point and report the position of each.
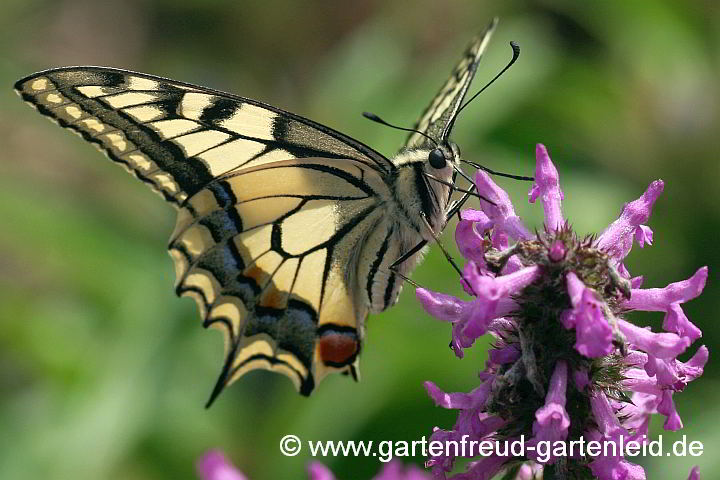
(175, 136)
(270, 255)
(437, 118)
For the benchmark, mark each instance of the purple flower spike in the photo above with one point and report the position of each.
(215, 466)
(676, 321)
(555, 305)
(693, 368)
(592, 331)
(547, 187)
(472, 272)
(493, 299)
(552, 420)
(617, 239)
(581, 378)
(504, 355)
(694, 474)
(502, 214)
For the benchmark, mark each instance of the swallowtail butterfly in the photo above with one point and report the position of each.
(288, 232)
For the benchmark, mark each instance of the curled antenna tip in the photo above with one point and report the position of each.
(515, 55)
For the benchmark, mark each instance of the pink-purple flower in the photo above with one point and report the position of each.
(215, 466)
(565, 363)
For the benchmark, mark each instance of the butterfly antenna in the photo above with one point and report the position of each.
(499, 174)
(451, 123)
(462, 174)
(516, 53)
(376, 119)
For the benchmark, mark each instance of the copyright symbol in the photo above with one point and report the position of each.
(290, 445)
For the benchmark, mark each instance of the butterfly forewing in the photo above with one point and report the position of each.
(177, 137)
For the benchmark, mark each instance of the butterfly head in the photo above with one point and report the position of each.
(444, 155)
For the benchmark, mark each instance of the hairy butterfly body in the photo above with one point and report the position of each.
(287, 231)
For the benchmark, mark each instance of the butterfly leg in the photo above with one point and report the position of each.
(455, 207)
(394, 266)
(437, 240)
(442, 248)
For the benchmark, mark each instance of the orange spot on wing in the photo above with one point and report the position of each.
(256, 273)
(337, 349)
(273, 298)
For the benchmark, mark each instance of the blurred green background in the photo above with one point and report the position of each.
(104, 372)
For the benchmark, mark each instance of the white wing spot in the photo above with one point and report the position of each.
(139, 83)
(117, 140)
(230, 155)
(194, 103)
(39, 84)
(54, 98)
(127, 99)
(73, 111)
(145, 113)
(251, 121)
(93, 91)
(94, 124)
(174, 127)
(140, 162)
(165, 182)
(194, 143)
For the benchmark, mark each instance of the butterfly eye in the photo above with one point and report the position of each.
(437, 159)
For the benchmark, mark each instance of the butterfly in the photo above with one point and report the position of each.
(288, 232)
